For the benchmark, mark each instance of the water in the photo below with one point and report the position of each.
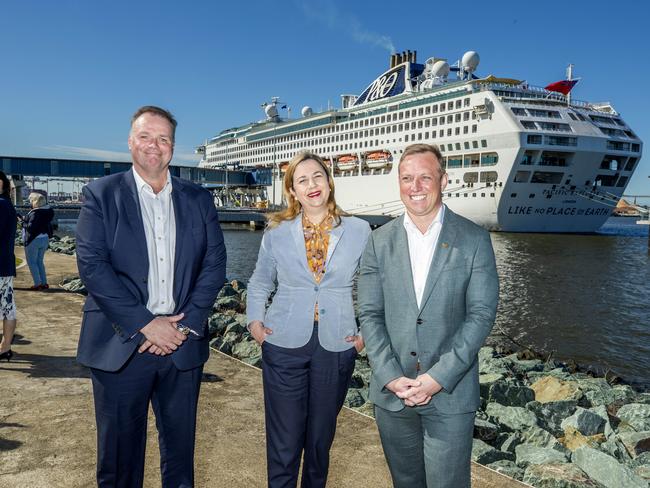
(582, 297)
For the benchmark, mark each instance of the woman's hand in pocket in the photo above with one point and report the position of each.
(258, 331)
(357, 340)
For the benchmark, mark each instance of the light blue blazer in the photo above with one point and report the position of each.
(282, 266)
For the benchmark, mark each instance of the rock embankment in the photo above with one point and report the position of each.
(542, 422)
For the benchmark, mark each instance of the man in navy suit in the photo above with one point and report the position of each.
(152, 257)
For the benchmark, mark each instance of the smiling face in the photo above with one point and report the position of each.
(421, 183)
(311, 187)
(151, 143)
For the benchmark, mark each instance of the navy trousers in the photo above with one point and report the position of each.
(121, 409)
(304, 390)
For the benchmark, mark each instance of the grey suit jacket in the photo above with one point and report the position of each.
(445, 333)
(282, 266)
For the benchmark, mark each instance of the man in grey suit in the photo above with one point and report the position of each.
(428, 291)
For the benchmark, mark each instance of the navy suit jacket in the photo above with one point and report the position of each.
(113, 265)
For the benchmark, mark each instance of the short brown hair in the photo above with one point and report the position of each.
(423, 148)
(152, 109)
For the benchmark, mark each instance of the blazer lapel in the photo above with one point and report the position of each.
(182, 221)
(401, 249)
(299, 240)
(441, 255)
(130, 204)
(335, 237)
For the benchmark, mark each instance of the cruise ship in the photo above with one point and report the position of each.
(520, 158)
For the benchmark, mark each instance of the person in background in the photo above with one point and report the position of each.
(309, 333)
(7, 268)
(428, 292)
(37, 230)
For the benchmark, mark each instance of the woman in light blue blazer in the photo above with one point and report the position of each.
(309, 257)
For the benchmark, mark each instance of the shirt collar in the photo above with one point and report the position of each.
(141, 185)
(410, 226)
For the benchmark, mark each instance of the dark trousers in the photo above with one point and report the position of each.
(121, 409)
(304, 390)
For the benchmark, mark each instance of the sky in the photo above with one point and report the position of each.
(73, 72)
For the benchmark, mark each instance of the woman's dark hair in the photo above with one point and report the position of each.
(6, 186)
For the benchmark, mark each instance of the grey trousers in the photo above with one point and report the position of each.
(425, 448)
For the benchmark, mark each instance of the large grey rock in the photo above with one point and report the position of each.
(485, 430)
(485, 381)
(601, 411)
(74, 285)
(236, 328)
(558, 475)
(507, 468)
(512, 418)
(228, 291)
(606, 470)
(598, 392)
(636, 415)
(229, 303)
(489, 364)
(641, 465)
(550, 415)
(484, 453)
(510, 393)
(249, 352)
(355, 397)
(635, 442)
(217, 323)
(523, 366)
(511, 442)
(537, 436)
(528, 454)
(585, 421)
(615, 448)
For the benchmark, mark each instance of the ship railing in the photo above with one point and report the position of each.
(389, 207)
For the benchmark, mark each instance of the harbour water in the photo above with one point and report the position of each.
(582, 297)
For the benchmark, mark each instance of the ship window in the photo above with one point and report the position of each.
(434, 109)
(441, 120)
(465, 129)
(450, 147)
(457, 131)
(448, 132)
(518, 111)
(513, 195)
(450, 119)
(622, 181)
(383, 118)
(458, 146)
(534, 139)
(454, 162)
(466, 145)
(532, 195)
(420, 111)
(529, 124)
(434, 121)
(636, 148)
(470, 177)
(489, 176)
(457, 117)
(607, 180)
(458, 103)
(473, 194)
(522, 177)
(474, 128)
(433, 134)
(457, 195)
(466, 102)
(426, 135)
(419, 124)
(573, 116)
(442, 107)
(419, 136)
(406, 138)
(465, 195)
(466, 116)
(630, 164)
(548, 177)
(471, 160)
(427, 110)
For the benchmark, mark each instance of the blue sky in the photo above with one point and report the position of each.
(72, 72)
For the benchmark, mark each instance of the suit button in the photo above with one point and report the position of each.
(413, 353)
(322, 311)
(418, 321)
(315, 288)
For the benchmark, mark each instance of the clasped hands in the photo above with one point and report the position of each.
(161, 335)
(415, 392)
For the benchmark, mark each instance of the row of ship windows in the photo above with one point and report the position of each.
(555, 178)
(426, 135)
(554, 114)
(420, 124)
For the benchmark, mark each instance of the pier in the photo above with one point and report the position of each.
(47, 425)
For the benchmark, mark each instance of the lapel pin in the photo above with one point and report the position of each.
(445, 245)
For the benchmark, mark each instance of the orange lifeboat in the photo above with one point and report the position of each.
(378, 159)
(346, 162)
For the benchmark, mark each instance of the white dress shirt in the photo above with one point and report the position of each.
(157, 212)
(421, 249)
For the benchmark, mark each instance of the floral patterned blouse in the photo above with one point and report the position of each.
(317, 238)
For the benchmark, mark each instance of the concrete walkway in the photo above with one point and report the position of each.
(47, 425)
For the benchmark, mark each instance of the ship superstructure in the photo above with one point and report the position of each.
(520, 158)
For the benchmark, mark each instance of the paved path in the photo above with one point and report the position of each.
(47, 427)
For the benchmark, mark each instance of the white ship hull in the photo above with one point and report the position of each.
(519, 158)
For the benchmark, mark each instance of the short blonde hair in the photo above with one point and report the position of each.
(36, 199)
